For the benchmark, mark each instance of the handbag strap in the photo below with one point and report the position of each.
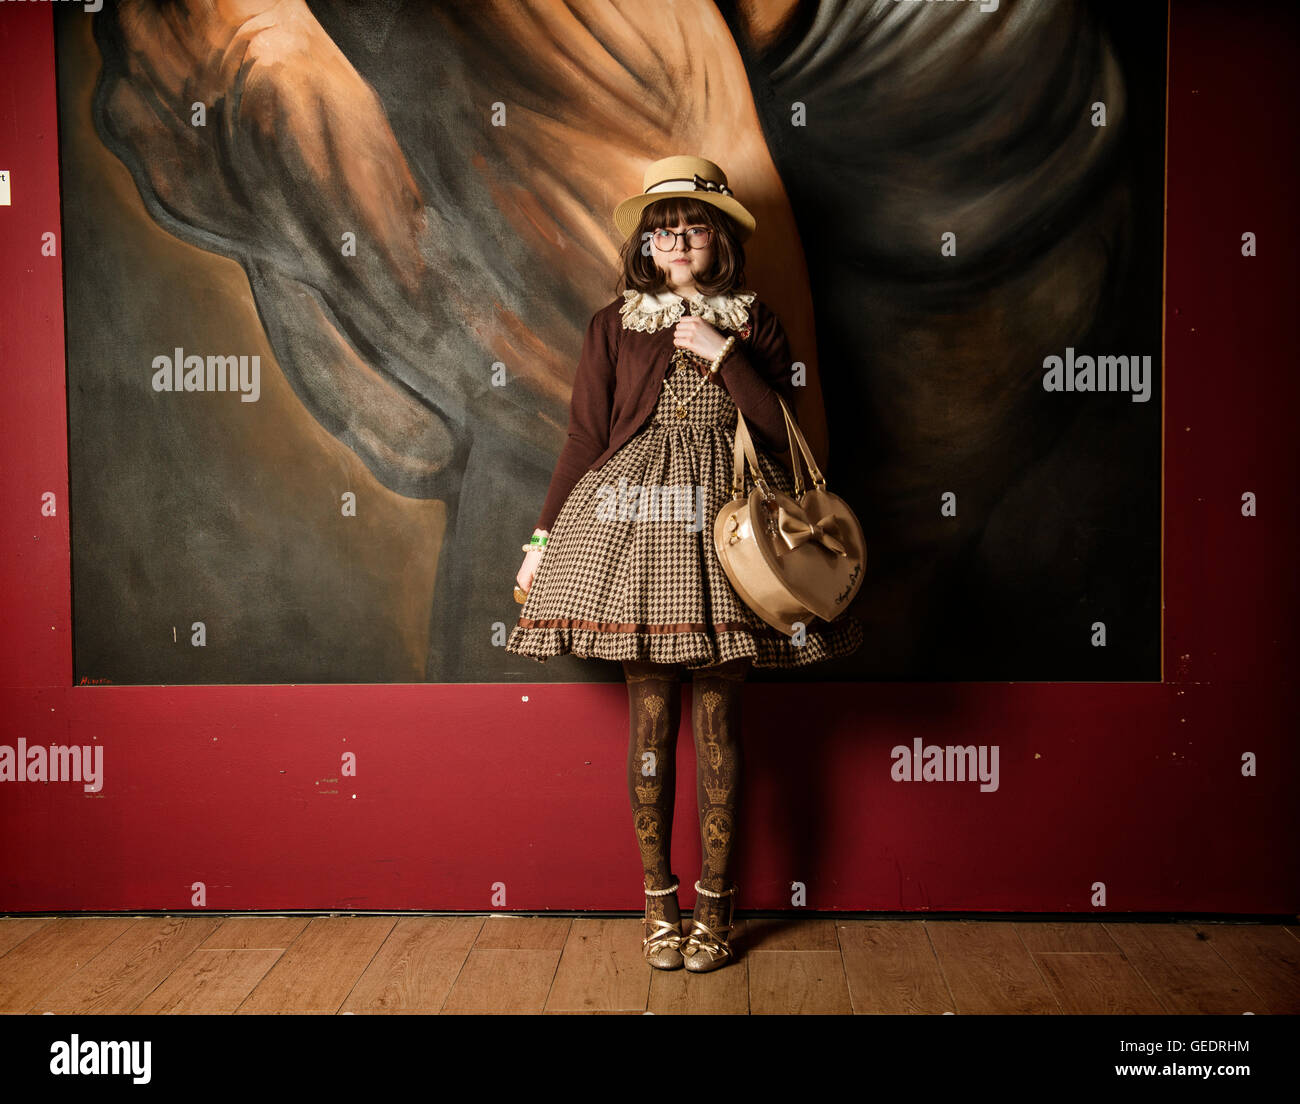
(743, 450)
(794, 433)
(795, 466)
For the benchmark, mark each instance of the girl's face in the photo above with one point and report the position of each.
(681, 262)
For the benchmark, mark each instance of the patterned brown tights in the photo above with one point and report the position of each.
(654, 708)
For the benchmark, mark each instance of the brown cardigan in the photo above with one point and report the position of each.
(619, 377)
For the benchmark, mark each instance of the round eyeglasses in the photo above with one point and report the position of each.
(697, 237)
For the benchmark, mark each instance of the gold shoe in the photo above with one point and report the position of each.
(706, 949)
(662, 946)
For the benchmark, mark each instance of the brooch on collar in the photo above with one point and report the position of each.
(648, 312)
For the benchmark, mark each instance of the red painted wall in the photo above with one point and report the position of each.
(1137, 786)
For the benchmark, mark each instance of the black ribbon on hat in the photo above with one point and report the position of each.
(702, 185)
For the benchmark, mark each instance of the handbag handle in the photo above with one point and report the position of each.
(795, 466)
(793, 433)
(742, 450)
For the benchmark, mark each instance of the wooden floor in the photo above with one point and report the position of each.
(421, 964)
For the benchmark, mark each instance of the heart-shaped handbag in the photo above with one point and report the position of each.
(789, 559)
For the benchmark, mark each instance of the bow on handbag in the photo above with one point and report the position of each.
(795, 528)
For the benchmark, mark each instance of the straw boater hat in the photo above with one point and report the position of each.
(683, 176)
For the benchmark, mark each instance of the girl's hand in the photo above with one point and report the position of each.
(529, 568)
(531, 560)
(693, 333)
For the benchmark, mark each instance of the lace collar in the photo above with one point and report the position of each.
(648, 312)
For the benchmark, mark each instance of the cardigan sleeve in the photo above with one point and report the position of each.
(589, 415)
(754, 372)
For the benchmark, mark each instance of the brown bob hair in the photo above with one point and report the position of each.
(722, 277)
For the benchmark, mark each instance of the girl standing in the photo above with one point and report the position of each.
(621, 565)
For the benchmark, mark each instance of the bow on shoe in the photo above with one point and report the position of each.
(795, 529)
(709, 186)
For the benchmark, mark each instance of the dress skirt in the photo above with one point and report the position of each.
(630, 570)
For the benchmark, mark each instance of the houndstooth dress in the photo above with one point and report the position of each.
(630, 576)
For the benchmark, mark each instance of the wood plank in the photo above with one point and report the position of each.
(1066, 937)
(1091, 983)
(503, 981)
(417, 965)
(319, 970)
(52, 955)
(212, 964)
(803, 933)
(891, 968)
(523, 933)
(130, 967)
(1265, 957)
(602, 968)
(721, 992)
(797, 983)
(1183, 970)
(211, 982)
(246, 933)
(14, 929)
(988, 969)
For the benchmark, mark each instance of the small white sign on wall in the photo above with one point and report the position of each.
(4, 187)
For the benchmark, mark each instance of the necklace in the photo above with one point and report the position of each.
(679, 357)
